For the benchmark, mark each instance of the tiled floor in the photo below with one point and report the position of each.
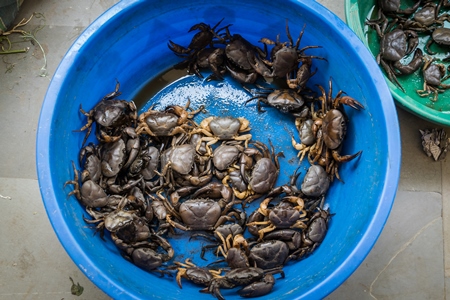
(411, 259)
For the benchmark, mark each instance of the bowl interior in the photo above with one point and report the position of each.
(357, 12)
(129, 43)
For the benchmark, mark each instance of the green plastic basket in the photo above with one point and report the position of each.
(8, 12)
(356, 13)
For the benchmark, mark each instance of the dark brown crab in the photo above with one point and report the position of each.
(433, 75)
(230, 243)
(426, 18)
(393, 7)
(289, 213)
(248, 277)
(225, 157)
(172, 120)
(285, 100)
(234, 248)
(394, 46)
(193, 273)
(269, 254)
(201, 213)
(180, 167)
(316, 231)
(109, 115)
(202, 39)
(331, 123)
(89, 192)
(225, 128)
(259, 169)
(206, 58)
(241, 53)
(440, 36)
(285, 58)
(316, 182)
(303, 74)
(146, 255)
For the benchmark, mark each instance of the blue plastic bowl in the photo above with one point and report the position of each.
(129, 42)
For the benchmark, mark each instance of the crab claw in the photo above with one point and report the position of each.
(347, 100)
(181, 272)
(177, 49)
(344, 158)
(200, 26)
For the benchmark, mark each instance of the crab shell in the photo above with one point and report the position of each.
(306, 134)
(225, 127)
(161, 123)
(269, 254)
(285, 100)
(264, 176)
(334, 128)
(316, 181)
(224, 156)
(181, 158)
(112, 113)
(200, 214)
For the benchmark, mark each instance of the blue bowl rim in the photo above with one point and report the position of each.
(335, 279)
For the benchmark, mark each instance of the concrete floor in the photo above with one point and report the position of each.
(411, 259)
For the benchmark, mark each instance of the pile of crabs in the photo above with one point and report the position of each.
(400, 31)
(152, 175)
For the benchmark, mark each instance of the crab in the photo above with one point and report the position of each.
(426, 18)
(316, 182)
(197, 275)
(222, 128)
(200, 213)
(393, 6)
(330, 124)
(259, 169)
(109, 114)
(292, 238)
(113, 156)
(440, 36)
(90, 194)
(127, 228)
(172, 120)
(225, 156)
(303, 74)
(269, 254)
(289, 213)
(394, 46)
(241, 52)
(248, 277)
(147, 257)
(180, 167)
(307, 134)
(285, 100)
(90, 155)
(234, 248)
(212, 58)
(433, 75)
(213, 189)
(230, 243)
(285, 58)
(200, 40)
(315, 232)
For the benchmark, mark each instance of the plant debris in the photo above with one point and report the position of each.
(435, 143)
(6, 46)
(76, 289)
